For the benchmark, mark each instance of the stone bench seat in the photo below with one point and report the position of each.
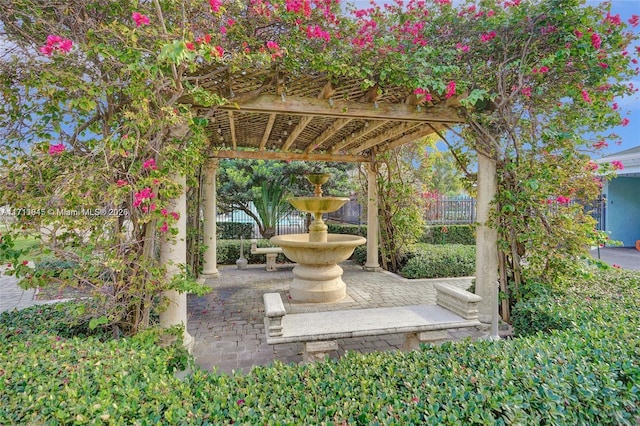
(420, 323)
(270, 252)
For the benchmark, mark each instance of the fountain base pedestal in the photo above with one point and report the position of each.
(317, 284)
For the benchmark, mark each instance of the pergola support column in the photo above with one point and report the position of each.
(173, 255)
(372, 264)
(210, 258)
(486, 240)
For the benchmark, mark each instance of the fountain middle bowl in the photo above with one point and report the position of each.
(318, 204)
(336, 249)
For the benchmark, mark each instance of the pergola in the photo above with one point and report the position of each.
(274, 115)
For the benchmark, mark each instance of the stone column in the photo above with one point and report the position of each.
(486, 240)
(173, 255)
(372, 220)
(210, 259)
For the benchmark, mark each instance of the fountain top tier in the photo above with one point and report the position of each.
(317, 205)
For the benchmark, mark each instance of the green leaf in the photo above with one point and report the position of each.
(96, 322)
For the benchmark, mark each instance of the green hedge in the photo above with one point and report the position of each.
(440, 261)
(228, 251)
(341, 228)
(450, 234)
(234, 230)
(608, 296)
(588, 374)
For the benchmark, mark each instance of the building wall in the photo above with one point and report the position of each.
(623, 210)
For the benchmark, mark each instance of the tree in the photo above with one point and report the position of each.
(537, 84)
(242, 182)
(400, 208)
(97, 124)
(97, 114)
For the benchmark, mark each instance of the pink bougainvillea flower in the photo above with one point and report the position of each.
(462, 47)
(141, 196)
(563, 200)
(451, 89)
(526, 91)
(56, 43)
(624, 122)
(272, 45)
(634, 20)
(617, 165)
(614, 106)
(585, 96)
(150, 164)
(122, 182)
(25, 262)
(603, 65)
(204, 39)
(56, 149)
(218, 51)
(596, 41)
(65, 45)
(223, 30)
(140, 19)
(215, 5)
(600, 144)
(485, 37)
(164, 212)
(175, 215)
(164, 227)
(591, 166)
(578, 34)
(314, 31)
(613, 20)
(190, 46)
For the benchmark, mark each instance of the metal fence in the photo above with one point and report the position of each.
(441, 210)
(293, 223)
(450, 210)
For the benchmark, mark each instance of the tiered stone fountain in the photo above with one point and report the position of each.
(317, 276)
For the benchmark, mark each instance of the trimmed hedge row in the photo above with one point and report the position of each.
(432, 261)
(589, 374)
(450, 234)
(440, 261)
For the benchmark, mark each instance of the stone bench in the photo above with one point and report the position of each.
(455, 308)
(271, 252)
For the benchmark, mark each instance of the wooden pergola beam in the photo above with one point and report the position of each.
(304, 121)
(329, 131)
(340, 108)
(232, 126)
(267, 131)
(372, 125)
(296, 156)
(422, 132)
(394, 131)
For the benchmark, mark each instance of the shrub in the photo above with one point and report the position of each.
(439, 261)
(228, 251)
(449, 234)
(360, 255)
(234, 230)
(587, 374)
(341, 228)
(606, 296)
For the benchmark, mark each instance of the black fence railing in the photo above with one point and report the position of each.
(293, 223)
(450, 210)
(440, 210)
